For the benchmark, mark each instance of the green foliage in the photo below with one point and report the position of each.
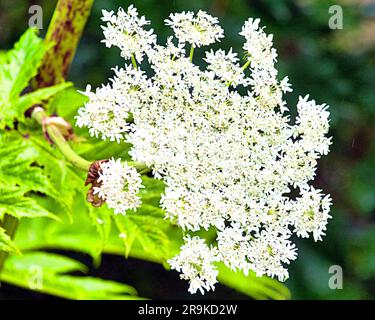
(38, 96)
(20, 166)
(14, 202)
(17, 67)
(145, 225)
(49, 273)
(23, 179)
(261, 288)
(6, 243)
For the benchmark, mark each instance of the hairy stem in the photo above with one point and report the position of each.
(64, 31)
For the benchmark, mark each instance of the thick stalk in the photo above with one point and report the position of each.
(55, 135)
(64, 31)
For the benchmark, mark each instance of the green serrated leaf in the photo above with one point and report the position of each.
(147, 226)
(101, 219)
(45, 233)
(6, 243)
(14, 202)
(28, 160)
(78, 235)
(17, 67)
(20, 167)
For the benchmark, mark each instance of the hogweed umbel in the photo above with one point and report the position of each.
(229, 160)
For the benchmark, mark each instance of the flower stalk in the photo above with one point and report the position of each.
(134, 62)
(191, 53)
(56, 136)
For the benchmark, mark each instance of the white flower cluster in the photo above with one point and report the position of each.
(109, 107)
(226, 67)
(198, 30)
(195, 262)
(126, 31)
(230, 161)
(119, 185)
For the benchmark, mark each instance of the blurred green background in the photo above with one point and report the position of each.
(336, 67)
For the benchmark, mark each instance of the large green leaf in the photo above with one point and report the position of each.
(36, 234)
(18, 66)
(147, 226)
(58, 172)
(28, 162)
(47, 273)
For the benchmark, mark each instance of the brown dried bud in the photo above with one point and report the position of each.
(92, 178)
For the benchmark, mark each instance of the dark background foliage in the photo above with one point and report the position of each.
(333, 66)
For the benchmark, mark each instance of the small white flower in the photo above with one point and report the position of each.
(285, 85)
(199, 30)
(195, 262)
(126, 31)
(226, 66)
(103, 115)
(310, 213)
(107, 112)
(258, 45)
(119, 186)
(313, 125)
(233, 247)
(269, 251)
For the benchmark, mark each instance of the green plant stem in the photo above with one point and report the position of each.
(58, 139)
(10, 225)
(134, 62)
(191, 53)
(243, 68)
(60, 142)
(140, 167)
(246, 64)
